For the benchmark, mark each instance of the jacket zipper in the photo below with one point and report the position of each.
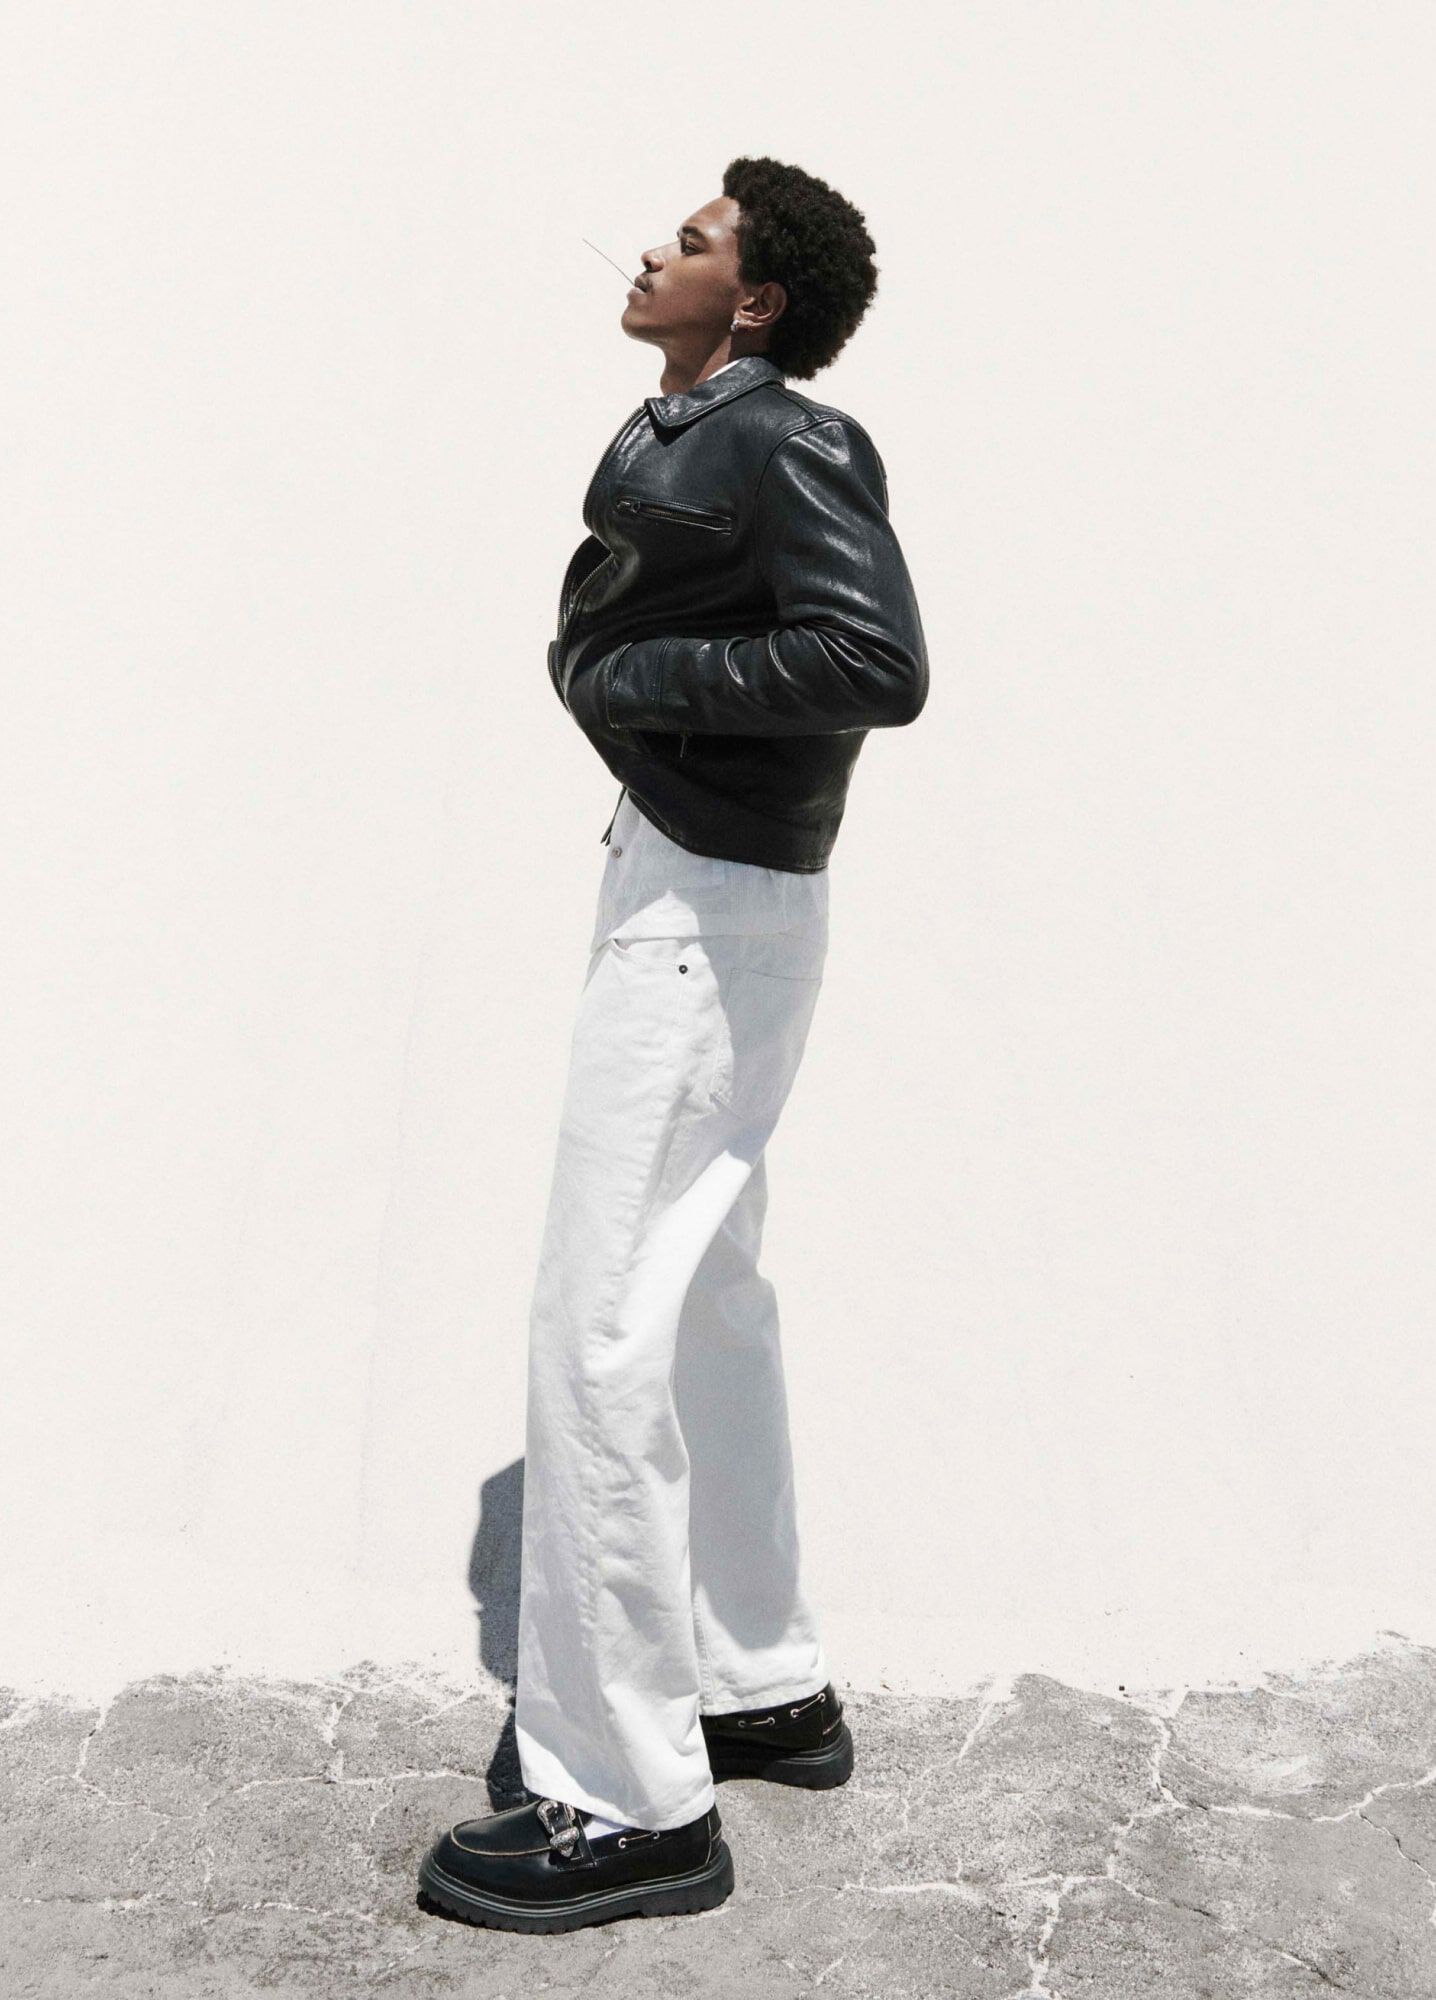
(608, 451)
(565, 616)
(563, 587)
(692, 517)
(609, 828)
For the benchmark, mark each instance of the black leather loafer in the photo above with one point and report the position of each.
(802, 1742)
(534, 1868)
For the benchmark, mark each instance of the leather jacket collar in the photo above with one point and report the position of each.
(750, 371)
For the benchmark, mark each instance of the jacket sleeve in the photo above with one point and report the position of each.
(847, 651)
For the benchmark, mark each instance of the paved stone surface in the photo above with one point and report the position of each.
(218, 1836)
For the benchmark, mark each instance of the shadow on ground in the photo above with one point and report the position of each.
(495, 1569)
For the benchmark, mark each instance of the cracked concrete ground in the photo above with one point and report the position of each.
(216, 1836)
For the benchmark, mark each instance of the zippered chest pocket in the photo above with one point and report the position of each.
(676, 511)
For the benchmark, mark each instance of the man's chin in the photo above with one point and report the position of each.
(634, 326)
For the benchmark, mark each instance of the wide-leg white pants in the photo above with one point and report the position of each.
(660, 1549)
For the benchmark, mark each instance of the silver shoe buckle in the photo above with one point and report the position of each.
(561, 1825)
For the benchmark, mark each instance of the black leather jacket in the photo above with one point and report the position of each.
(739, 616)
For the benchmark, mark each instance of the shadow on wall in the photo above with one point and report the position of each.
(494, 1567)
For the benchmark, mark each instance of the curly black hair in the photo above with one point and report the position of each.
(802, 234)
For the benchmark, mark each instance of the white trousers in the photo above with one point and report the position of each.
(660, 1565)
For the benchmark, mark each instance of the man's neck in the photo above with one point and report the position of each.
(706, 378)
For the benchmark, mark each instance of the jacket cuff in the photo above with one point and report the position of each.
(633, 685)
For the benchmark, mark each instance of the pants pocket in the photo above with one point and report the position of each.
(669, 952)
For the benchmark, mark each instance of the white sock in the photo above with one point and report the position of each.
(596, 1825)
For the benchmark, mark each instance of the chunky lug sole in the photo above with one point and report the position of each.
(816, 1769)
(670, 1896)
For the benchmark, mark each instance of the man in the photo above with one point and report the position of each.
(738, 617)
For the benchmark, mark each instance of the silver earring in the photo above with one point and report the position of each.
(734, 327)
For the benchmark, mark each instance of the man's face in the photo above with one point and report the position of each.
(690, 287)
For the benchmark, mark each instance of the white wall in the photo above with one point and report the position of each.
(1101, 1213)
